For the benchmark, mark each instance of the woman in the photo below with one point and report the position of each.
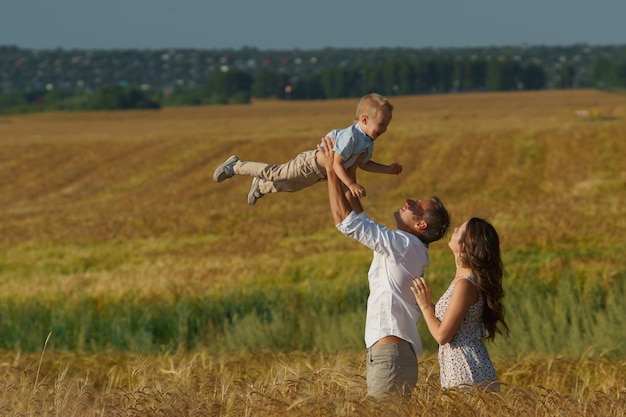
(471, 308)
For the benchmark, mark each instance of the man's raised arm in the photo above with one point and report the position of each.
(339, 206)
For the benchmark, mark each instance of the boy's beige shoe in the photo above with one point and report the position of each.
(255, 192)
(226, 169)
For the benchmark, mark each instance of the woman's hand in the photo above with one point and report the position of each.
(422, 293)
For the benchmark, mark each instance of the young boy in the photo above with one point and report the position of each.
(373, 115)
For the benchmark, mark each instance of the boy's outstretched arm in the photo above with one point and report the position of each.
(376, 168)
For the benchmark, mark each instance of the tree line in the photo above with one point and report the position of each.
(394, 74)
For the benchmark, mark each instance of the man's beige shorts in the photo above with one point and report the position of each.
(391, 368)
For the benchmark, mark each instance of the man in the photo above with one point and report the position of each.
(391, 336)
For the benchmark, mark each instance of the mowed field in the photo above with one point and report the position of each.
(110, 215)
(137, 186)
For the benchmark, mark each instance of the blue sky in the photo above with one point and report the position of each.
(291, 24)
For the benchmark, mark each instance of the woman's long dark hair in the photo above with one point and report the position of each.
(480, 251)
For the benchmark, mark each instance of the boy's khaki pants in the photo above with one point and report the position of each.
(294, 175)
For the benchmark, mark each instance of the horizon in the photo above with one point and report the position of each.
(243, 48)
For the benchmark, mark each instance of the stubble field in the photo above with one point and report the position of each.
(160, 292)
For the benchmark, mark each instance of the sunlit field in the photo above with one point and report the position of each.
(295, 384)
(132, 284)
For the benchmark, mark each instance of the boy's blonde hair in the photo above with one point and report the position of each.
(371, 104)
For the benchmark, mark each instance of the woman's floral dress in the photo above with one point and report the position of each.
(465, 360)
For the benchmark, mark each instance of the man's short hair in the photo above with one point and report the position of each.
(438, 220)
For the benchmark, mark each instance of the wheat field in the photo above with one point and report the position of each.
(296, 384)
(102, 209)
